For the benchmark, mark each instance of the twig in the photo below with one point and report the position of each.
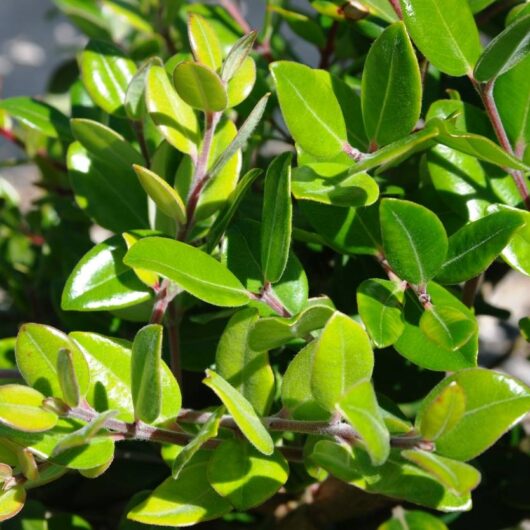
(470, 290)
(236, 14)
(139, 131)
(329, 48)
(397, 8)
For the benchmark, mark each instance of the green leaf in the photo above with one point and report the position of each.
(297, 396)
(242, 411)
(246, 369)
(106, 73)
(517, 252)
(524, 327)
(183, 502)
(100, 280)
(109, 361)
(146, 379)
(207, 431)
(512, 96)
(273, 332)
(164, 196)
(276, 218)
(223, 220)
(412, 520)
(37, 349)
(237, 56)
(200, 87)
(342, 358)
(118, 202)
(442, 413)
(505, 51)
(419, 348)
(325, 183)
(310, 109)
(242, 136)
(97, 452)
(244, 476)
(478, 146)
(447, 326)
(135, 96)
(175, 119)
(346, 230)
(190, 268)
(456, 476)
(396, 478)
(68, 378)
(391, 87)
(360, 409)
(456, 47)
(473, 248)
(494, 403)
(11, 502)
(204, 42)
(39, 116)
(303, 26)
(380, 304)
(242, 83)
(21, 409)
(414, 240)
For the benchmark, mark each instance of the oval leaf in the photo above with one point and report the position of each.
(204, 42)
(190, 268)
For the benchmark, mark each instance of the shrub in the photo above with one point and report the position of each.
(285, 259)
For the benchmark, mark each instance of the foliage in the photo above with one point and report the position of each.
(309, 265)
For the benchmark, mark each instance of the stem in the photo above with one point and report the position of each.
(173, 328)
(161, 303)
(486, 94)
(329, 48)
(268, 297)
(397, 8)
(470, 290)
(235, 13)
(139, 131)
(352, 152)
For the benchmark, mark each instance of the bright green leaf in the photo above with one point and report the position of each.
(412, 520)
(242, 83)
(11, 502)
(68, 378)
(204, 42)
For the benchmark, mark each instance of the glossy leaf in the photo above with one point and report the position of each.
(447, 326)
(473, 248)
(273, 332)
(396, 478)
(443, 413)
(106, 73)
(163, 195)
(360, 409)
(276, 218)
(244, 476)
(419, 348)
(200, 87)
(326, 183)
(135, 96)
(504, 52)
(21, 409)
(242, 83)
(391, 87)
(11, 502)
(494, 402)
(175, 119)
(242, 411)
(68, 378)
(37, 349)
(204, 42)
(146, 378)
(380, 304)
(183, 502)
(246, 369)
(414, 240)
(100, 280)
(39, 116)
(207, 431)
(310, 109)
(456, 48)
(455, 475)
(109, 361)
(297, 395)
(190, 268)
(342, 358)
